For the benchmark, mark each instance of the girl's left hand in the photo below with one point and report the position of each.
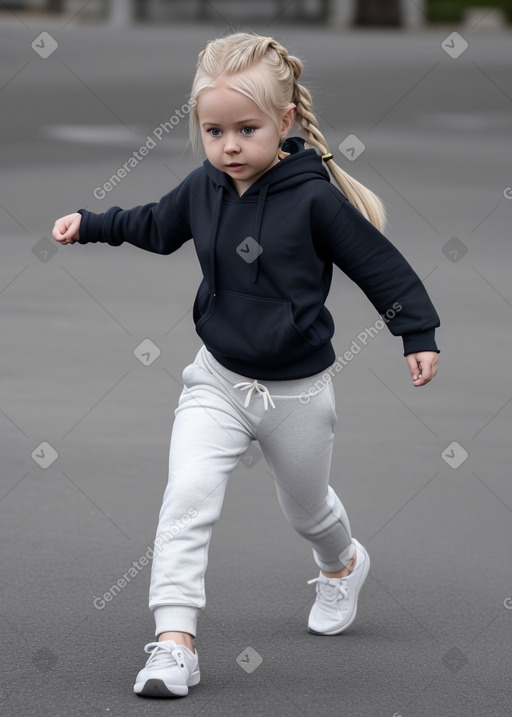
(423, 366)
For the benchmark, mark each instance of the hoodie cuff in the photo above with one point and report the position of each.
(90, 230)
(83, 230)
(419, 341)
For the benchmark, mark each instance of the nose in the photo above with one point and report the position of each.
(231, 143)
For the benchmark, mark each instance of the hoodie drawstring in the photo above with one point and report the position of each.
(213, 241)
(259, 388)
(215, 230)
(257, 228)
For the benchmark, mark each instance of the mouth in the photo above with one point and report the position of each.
(234, 165)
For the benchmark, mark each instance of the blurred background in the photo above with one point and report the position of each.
(415, 101)
(356, 13)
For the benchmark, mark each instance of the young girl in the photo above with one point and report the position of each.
(267, 225)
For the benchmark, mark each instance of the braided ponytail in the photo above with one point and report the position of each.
(272, 90)
(361, 197)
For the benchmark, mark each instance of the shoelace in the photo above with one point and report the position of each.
(342, 586)
(259, 388)
(160, 657)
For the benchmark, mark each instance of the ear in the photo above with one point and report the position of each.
(288, 119)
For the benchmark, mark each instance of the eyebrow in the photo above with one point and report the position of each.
(245, 121)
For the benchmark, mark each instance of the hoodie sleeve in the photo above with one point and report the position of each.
(367, 257)
(161, 227)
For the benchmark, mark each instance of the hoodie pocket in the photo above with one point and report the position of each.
(252, 328)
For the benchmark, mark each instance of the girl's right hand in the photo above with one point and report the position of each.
(66, 228)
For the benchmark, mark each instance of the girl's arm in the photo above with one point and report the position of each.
(364, 254)
(158, 227)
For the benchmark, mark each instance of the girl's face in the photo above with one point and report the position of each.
(238, 137)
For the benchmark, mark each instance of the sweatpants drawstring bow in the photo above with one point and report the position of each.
(259, 388)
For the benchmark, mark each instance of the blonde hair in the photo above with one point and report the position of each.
(271, 79)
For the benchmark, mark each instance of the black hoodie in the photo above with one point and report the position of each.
(267, 260)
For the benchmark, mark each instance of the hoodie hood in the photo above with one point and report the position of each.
(299, 167)
(302, 165)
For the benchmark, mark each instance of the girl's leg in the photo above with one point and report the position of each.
(298, 448)
(208, 439)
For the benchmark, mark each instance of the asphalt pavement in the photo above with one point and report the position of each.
(94, 340)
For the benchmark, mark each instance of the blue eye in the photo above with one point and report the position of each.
(216, 132)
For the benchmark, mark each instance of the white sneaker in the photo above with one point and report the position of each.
(336, 598)
(170, 670)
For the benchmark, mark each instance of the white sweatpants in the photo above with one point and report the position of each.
(213, 428)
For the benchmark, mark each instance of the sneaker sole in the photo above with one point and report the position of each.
(158, 688)
(352, 617)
